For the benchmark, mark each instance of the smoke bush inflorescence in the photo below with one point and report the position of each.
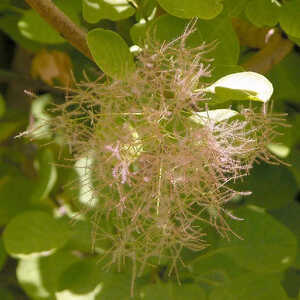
(160, 177)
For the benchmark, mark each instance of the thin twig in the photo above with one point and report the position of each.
(63, 24)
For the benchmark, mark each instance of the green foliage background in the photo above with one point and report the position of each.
(46, 255)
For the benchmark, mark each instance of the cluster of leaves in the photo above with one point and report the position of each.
(42, 230)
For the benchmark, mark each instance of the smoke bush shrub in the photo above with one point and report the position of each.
(161, 166)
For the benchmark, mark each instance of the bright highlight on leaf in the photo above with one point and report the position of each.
(216, 115)
(242, 86)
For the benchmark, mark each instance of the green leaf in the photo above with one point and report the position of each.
(285, 76)
(111, 53)
(15, 193)
(219, 30)
(271, 186)
(204, 9)
(39, 276)
(266, 245)
(290, 18)
(241, 86)
(47, 175)
(33, 27)
(251, 287)
(214, 270)
(217, 115)
(34, 233)
(289, 216)
(2, 106)
(172, 291)
(263, 12)
(95, 10)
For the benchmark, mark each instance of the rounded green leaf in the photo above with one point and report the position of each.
(33, 27)
(241, 86)
(95, 10)
(271, 186)
(39, 276)
(290, 18)
(111, 53)
(204, 9)
(34, 233)
(263, 12)
(265, 245)
(251, 287)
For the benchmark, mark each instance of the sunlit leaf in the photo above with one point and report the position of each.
(215, 116)
(242, 86)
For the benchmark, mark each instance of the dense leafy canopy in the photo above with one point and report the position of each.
(50, 246)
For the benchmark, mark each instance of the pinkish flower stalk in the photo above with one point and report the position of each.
(159, 177)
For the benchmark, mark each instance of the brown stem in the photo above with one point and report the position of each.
(273, 47)
(263, 61)
(63, 24)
